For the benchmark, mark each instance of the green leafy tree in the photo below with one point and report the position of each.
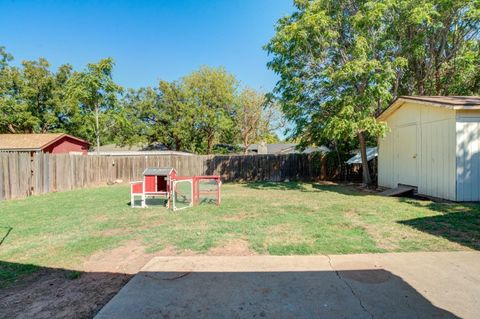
(94, 96)
(43, 93)
(14, 115)
(136, 120)
(161, 115)
(440, 41)
(334, 73)
(211, 93)
(178, 117)
(32, 96)
(342, 62)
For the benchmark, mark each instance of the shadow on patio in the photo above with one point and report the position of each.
(279, 294)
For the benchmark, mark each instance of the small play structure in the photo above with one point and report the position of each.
(179, 192)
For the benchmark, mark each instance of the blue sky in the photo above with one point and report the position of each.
(149, 40)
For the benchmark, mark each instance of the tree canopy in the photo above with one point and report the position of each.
(342, 62)
(32, 96)
(194, 113)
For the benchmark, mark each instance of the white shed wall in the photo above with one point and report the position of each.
(468, 155)
(433, 167)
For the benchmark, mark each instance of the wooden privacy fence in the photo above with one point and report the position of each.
(23, 174)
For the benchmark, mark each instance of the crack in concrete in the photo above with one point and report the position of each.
(350, 287)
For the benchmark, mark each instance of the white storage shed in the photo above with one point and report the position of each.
(433, 144)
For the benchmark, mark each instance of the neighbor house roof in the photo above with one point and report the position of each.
(136, 150)
(131, 148)
(288, 148)
(448, 102)
(139, 153)
(31, 142)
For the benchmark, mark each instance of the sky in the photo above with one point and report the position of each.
(149, 40)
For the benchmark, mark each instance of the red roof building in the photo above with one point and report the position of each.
(54, 143)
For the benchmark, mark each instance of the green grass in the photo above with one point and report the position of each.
(63, 229)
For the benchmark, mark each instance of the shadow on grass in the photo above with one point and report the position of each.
(32, 291)
(458, 223)
(343, 189)
(150, 202)
(277, 185)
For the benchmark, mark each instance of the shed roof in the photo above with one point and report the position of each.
(372, 152)
(31, 142)
(448, 102)
(154, 171)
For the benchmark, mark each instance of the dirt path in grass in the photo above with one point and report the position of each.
(60, 293)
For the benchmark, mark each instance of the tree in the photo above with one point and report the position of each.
(249, 116)
(211, 93)
(334, 72)
(257, 118)
(14, 115)
(342, 62)
(160, 115)
(94, 95)
(178, 116)
(134, 126)
(31, 96)
(42, 91)
(440, 41)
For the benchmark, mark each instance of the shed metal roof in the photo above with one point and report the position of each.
(448, 102)
(154, 171)
(372, 152)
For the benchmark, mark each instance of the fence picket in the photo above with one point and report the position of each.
(24, 174)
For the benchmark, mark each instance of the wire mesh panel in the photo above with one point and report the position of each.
(208, 191)
(182, 194)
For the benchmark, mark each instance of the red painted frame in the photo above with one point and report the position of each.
(150, 186)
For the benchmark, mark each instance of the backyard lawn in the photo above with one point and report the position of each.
(62, 230)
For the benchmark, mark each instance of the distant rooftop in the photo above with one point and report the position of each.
(136, 150)
(30, 141)
(132, 148)
(284, 148)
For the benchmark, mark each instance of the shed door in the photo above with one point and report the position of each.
(406, 149)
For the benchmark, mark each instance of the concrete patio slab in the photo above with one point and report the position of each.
(406, 285)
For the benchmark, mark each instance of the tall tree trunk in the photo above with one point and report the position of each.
(97, 128)
(178, 144)
(367, 180)
(210, 137)
(340, 164)
(11, 128)
(246, 145)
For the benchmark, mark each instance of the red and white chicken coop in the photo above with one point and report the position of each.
(179, 192)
